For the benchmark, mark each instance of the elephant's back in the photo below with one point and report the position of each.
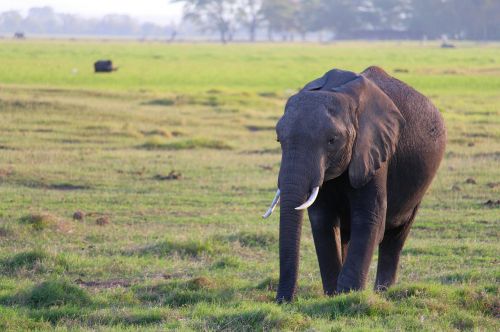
(420, 147)
(423, 119)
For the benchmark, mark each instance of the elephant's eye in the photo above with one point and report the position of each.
(331, 141)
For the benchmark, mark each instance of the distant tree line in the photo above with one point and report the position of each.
(285, 20)
(44, 20)
(350, 19)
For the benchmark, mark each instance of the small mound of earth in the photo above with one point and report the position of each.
(101, 221)
(78, 215)
(173, 175)
(470, 181)
(6, 172)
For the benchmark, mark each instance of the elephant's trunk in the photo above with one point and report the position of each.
(289, 242)
(297, 181)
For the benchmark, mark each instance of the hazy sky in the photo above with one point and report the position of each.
(158, 11)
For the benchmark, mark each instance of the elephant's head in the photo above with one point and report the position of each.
(339, 123)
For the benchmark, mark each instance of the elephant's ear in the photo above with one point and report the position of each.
(331, 80)
(379, 123)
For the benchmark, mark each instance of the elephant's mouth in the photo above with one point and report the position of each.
(305, 205)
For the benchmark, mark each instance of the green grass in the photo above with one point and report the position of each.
(192, 253)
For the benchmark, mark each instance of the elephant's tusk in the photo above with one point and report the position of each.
(273, 205)
(310, 201)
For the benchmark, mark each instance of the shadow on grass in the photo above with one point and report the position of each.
(187, 144)
(186, 249)
(110, 317)
(249, 317)
(63, 186)
(34, 261)
(160, 102)
(351, 305)
(181, 293)
(263, 240)
(229, 262)
(210, 100)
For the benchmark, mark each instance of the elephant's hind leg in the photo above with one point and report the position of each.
(389, 253)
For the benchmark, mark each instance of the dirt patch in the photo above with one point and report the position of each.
(493, 184)
(104, 283)
(266, 167)
(260, 128)
(43, 130)
(173, 175)
(263, 151)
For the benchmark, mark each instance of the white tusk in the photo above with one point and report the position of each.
(310, 201)
(273, 205)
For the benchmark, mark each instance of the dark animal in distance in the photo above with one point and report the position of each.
(359, 152)
(19, 35)
(104, 66)
(447, 45)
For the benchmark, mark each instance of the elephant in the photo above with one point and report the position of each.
(359, 152)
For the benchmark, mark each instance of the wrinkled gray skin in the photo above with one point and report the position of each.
(373, 145)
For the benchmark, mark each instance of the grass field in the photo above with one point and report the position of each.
(132, 201)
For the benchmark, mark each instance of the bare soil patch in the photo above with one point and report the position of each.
(173, 175)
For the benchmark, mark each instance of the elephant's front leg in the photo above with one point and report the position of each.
(325, 227)
(368, 211)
